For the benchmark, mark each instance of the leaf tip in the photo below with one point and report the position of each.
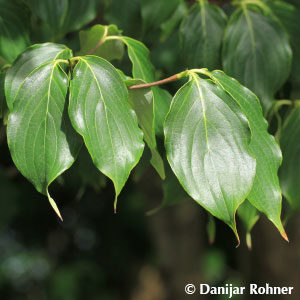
(284, 235)
(281, 229)
(54, 206)
(249, 240)
(115, 204)
(233, 227)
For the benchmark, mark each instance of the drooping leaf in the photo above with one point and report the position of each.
(168, 26)
(155, 12)
(63, 16)
(80, 13)
(89, 40)
(126, 14)
(27, 62)
(289, 172)
(201, 33)
(100, 113)
(173, 192)
(141, 101)
(207, 139)
(256, 51)
(40, 138)
(14, 30)
(3, 106)
(249, 216)
(265, 194)
(289, 16)
(51, 12)
(142, 68)
(84, 174)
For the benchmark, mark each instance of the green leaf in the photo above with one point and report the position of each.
(84, 174)
(40, 138)
(64, 16)
(249, 216)
(289, 172)
(80, 13)
(256, 51)
(173, 193)
(155, 12)
(289, 16)
(90, 39)
(207, 138)
(52, 12)
(126, 14)
(99, 112)
(3, 107)
(14, 32)
(296, 3)
(201, 33)
(265, 194)
(142, 68)
(27, 62)
(141, 101)
(168, 26)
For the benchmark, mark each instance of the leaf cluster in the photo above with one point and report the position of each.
(217, 141)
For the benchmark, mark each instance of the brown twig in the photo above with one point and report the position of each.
(159, 82)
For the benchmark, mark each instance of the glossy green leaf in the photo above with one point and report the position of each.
(256, 51)
(249, 216)
(27, 62)
(100, 113)
(289, 16)
(155, 12)
(141, 101)
(142, 68)
(207, 139)
(40, 138)
(289, 172)
(201, 33)
(3, 106)
(168, 26)
(89, 40)
(265, 194)
(14, 29)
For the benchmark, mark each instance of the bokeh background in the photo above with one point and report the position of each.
(96, 254)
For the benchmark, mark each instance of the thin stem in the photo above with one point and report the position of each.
(159, 82)
(5, 67)
(100, 42)
(277, 106)
(64, 61)
(275, 112)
